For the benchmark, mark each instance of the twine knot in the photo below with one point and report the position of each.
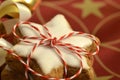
(52, 42)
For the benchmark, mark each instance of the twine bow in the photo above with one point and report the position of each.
(53, 42)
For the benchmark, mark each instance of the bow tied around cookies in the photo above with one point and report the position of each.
(49, 39)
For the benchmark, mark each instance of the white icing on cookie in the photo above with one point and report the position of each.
(27, 31)
(3, 52)
(59, 26)
(45, 56)
(5, 43)
(2, 56)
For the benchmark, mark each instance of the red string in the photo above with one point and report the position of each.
(47, 40)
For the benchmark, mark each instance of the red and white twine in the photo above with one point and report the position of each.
(53, 42)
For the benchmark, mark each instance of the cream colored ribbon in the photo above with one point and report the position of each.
(18, 11)
(9, 7)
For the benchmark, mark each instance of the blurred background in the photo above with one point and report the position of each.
(98, 17)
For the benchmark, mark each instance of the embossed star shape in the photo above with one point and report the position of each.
(89, 7)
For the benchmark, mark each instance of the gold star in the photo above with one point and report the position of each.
(103, 78)
(90, 7)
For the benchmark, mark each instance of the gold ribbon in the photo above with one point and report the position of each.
(12, 10)
(31, 4)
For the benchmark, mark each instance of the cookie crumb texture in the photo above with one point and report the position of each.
(11, 75)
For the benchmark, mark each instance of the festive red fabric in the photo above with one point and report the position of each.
(98, 17)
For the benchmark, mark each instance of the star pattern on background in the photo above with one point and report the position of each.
(103, 78)
(89, 7)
